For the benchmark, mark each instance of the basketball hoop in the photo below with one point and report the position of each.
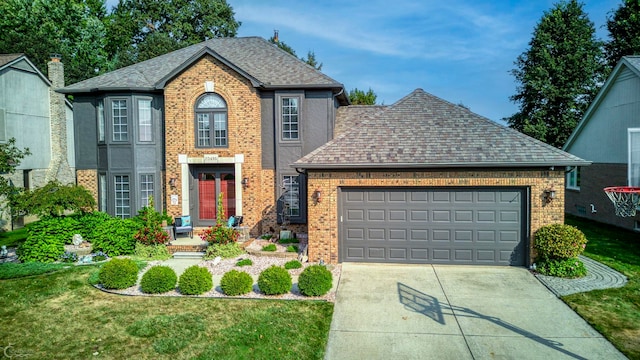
(626, 199)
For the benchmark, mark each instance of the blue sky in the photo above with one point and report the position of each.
(459, 50)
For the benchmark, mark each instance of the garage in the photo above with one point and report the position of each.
(480, 226)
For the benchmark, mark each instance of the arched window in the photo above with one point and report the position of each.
(211, 121)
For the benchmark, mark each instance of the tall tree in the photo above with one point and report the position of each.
(72, 28)
(558, 75)
(311, 60)
(624, 32)
(359, 97)
(142, 29)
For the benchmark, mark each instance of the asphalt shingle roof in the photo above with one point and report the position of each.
(424, 131)
(258, 58)
(349, 116)
(7, 58)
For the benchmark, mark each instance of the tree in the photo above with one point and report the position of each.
(143, 29)
(311, 60)
(311, 55)
(359, 97)
(624, 32)
(54, 199)
(10, 157)
(72, 28)
(558, 75)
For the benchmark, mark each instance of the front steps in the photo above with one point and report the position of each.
(188, 255)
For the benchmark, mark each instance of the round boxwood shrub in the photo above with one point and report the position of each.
(236, 282)
(195, 280)
(315, 280)
(559, 241)
(118, 274)
(274, 280)
(293, 264)
(158, 279)
(565, 268)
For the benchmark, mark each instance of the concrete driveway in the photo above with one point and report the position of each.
(455, 312)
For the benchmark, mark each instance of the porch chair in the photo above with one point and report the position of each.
(182, 225)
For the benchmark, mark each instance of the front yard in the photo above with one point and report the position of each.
(59, 315)
(613, 312)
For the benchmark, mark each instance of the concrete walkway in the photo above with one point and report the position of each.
(599, 276)
(455, 312)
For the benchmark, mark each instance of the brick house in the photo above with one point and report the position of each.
(421, 181)
(608, 135)
(39, 118)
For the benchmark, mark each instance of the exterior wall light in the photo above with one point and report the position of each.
(318, 195)
(172, 182)
(245, 182)
(549, 195)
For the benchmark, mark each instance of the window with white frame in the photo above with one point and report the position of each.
(122, 198)
(291, 194)
(290, 118)
(633, 165)
(101, 126)
(211, 121)
(119, 117)
(573, 178)
(145, 133)
(146, 189)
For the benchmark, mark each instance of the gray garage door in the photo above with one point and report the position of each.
(435, 226)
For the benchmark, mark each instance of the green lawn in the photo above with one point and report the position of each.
(59, 315)
(613, 312)
(13, 238)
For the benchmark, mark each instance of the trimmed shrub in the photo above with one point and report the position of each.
(152, 252)
(88, 224)
(219, 234)
(236, 282)
(288, 241)
(274, 280)
(292, 248)
(559, 241)
(115, 237)
(244, 262)
(195, 280)
(225, 251)
(58, 229)
(40, 248)
(118, 274)
(158, 279)
(270, 247)
(566, 268)
(293, 264)
(315, 280)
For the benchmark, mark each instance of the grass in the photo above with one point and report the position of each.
(613, 312)
(270, 247)
(15, 270)
(60, 316)
(13, 238)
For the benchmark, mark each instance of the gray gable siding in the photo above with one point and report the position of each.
(603, 137)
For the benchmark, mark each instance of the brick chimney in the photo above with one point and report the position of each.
(59, 166)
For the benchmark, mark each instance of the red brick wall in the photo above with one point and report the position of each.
(244, 134)
(323, 216)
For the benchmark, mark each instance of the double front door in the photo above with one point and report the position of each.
(209, 183)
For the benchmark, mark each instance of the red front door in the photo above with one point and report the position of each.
(210, 184)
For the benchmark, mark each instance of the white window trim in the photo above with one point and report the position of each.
(572, 185)
(629, 167)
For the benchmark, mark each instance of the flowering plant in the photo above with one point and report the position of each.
(219, 234)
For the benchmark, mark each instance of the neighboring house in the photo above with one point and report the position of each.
(422, 180)
(39, 119)
(226, 116)
(609, 136)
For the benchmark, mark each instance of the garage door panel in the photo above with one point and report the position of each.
(376, 234)
(440, 216)
(397, 234)
(444, 226)
(397, 215)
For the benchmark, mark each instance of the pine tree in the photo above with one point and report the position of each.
(558, 75)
